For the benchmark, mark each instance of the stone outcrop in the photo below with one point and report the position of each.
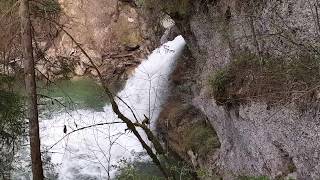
(256, 139)
(113, 33)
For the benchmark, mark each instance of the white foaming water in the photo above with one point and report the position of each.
(89, 153)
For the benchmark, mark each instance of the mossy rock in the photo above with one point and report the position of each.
(254, 178)
(46, 7)
(249, 77)
(201, 139)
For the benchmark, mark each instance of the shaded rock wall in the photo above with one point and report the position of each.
(255, 139)
(178, 117)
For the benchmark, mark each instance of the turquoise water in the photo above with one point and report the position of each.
(84, 154)
(82, 93)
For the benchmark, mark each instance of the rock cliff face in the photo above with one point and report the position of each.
(183, 127)
(112, 32)
(256, 139)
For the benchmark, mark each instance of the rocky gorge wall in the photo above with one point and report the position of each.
(113, 33)
(257, 139)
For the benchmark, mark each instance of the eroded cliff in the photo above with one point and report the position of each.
(113, 33)
(263, 105)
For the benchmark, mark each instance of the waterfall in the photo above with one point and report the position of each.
(87, 153)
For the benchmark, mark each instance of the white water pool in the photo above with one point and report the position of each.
(90, 153)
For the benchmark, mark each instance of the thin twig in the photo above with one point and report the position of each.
(120, 115)
(79, 129)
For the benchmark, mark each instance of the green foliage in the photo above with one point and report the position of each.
(253, 178)
(274, 80)
(11, 111)
(292, 167)
(142, 169)
(202, 173)
(219, 83)
(223, 81)
(11, 114)
(6, 82)
(180, 169)
(12, 124)
(207, 174)
(138, 170)
(201, 139)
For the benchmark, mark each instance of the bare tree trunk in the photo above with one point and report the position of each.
(29, 73)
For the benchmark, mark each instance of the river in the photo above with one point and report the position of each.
(91, 153)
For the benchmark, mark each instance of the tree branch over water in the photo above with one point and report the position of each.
(79, 129)
(131, 126)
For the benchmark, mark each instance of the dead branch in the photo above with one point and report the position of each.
(116, 110)
(79, 129)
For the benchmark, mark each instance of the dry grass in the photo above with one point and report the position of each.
(185, 129)
(273, 80)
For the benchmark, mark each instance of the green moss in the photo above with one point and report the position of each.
(274, 80)
(292, 167)
(12, 123)
(6, 81)
(203, 173)
(219, 83)
(47, 7)
(201, 139)
(138, 170)
(254, 178)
